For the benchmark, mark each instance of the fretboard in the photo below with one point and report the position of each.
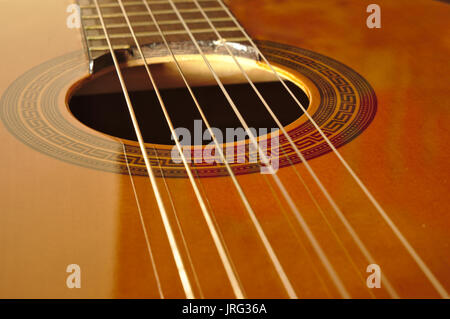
(144, 27)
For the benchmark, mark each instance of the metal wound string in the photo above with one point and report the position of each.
(221, 39)
(319, 251)
(279, 269)
(173, 244)
(336, 208)
(425, 269)
(218, 243)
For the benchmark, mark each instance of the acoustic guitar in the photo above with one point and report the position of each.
(237, 149)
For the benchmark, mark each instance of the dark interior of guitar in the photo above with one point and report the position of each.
(107, 111)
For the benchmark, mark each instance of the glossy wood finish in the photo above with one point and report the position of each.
(53, 213)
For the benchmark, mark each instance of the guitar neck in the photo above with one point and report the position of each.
(142, 15)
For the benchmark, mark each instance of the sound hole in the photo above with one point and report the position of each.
(108, 112)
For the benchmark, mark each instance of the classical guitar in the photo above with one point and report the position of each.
(237, 149)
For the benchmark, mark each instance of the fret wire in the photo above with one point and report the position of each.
(131, 3)
(106, 48)
(164, 22)
(145, 34)
(135, 14)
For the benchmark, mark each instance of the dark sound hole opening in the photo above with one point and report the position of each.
(108, 113)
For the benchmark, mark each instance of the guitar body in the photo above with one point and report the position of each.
(66, 200)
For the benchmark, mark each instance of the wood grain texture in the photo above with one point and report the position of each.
(53, 213)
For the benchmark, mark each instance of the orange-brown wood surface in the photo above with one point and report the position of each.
(53, 213)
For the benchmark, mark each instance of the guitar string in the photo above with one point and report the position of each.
(279, 269)
(213, 231)
(297, 236)
(217, 224)
(172, 242)
(183, 239)
(216, 144)
(209, 205)
(141, 217)
(422, 265)
(321, 280)
(349, 228)
(282, 275)
(324, 259)
(329, 225)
